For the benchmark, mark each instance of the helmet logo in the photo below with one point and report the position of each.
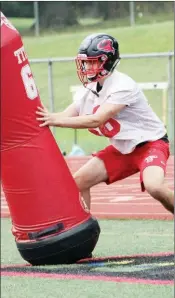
(106, 46)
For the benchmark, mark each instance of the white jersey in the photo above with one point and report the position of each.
(134, 124)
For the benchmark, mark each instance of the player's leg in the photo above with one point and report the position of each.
(153, 179)
(92, 173)
(108, 165)
(153, 168)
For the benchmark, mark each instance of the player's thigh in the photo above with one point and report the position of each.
(90, 174)
(153, 169)
(153, 176)
(153, 180)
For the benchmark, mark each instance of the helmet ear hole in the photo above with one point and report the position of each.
(103, 58)
(104, 72)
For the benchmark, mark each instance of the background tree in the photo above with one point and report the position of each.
(17, 9)
(60, 14)
(57, 14)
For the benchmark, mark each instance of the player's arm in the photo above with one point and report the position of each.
(70, 111)
(103, 114)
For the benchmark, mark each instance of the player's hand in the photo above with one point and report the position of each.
(47, 118)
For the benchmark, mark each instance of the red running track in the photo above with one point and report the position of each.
(122, 199)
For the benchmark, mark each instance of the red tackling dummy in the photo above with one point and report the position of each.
(37, 183)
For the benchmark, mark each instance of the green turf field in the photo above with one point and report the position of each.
(119, 237)
(141, 39)
(34, 287)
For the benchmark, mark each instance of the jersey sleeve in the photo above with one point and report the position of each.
(77, 102)
(78, 98)
(127, 97)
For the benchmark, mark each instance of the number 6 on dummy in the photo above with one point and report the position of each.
(29, 83)
(50, 224)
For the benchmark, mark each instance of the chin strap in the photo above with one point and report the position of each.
(117, 62)
(94, 92)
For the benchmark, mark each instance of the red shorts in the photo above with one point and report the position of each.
(120, 166)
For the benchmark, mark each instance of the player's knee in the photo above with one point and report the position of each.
(155, 191)
(81, 182)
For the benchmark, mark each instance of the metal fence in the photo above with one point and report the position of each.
(169, 77)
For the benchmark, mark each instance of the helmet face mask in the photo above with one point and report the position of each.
(97, 57)
(91, 69)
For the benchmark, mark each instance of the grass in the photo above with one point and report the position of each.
(34, 287)
(22, 24)
(140, 39)
(157, 37)
(120, 237)
(115, 239)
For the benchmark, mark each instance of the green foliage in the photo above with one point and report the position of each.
(18, 9)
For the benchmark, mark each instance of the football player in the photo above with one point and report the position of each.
(111, 104)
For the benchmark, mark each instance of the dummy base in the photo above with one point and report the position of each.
(65, 248)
